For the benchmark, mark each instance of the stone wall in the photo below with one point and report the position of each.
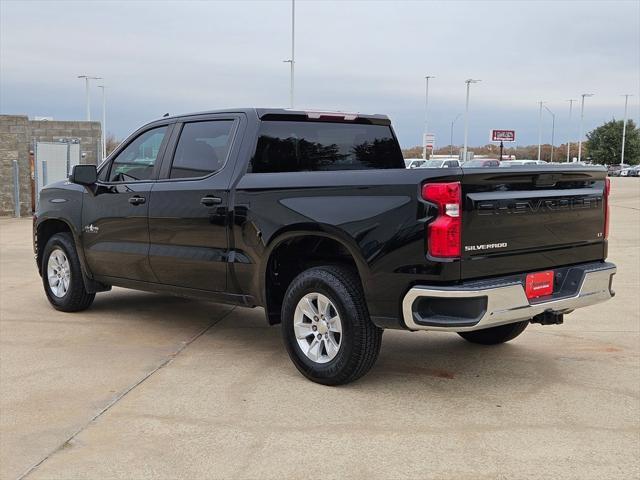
(17, 134)
(14, 145)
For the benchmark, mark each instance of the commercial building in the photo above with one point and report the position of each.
(31, 152)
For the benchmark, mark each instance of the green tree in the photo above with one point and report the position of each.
(604, 144)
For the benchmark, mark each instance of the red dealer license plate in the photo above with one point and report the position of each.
(539, 284)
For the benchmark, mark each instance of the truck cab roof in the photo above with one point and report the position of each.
(294, 114)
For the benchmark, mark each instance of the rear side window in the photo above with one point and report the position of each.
(290, 146)
(202, 148)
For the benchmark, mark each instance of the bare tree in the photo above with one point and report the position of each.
(112, 143)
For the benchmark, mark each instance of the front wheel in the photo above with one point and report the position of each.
(326, 326)
(62, 275)
(495, 335)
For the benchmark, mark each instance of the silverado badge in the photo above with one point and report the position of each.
(91, 229)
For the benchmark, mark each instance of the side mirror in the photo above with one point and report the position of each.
(84, 174)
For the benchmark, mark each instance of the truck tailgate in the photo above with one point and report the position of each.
(531, 218)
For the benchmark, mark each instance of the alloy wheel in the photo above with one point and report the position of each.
(317, 327)
(58, 273)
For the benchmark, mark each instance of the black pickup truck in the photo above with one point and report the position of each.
(313, 216)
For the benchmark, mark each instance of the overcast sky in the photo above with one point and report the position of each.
(368, 56)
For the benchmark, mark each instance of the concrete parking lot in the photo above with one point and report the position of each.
(148, 386)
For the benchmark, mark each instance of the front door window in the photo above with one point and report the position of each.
(138, 159)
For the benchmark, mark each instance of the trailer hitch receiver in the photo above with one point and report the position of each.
(548, 318)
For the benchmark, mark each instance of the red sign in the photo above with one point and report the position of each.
(503, 135)
(539, 284)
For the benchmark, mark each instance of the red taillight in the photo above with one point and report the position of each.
(444, 233)
(607, 189)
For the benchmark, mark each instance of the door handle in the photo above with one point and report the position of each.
(137, 200)
(209, 201)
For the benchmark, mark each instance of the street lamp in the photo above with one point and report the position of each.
(104, 121)
(553, 129)
(87, 78)
(451, 140)
(541, 103)
(426, 110)
(569, 128)
(466, 119)
(582, 123)
(624, 126)
(292, 60)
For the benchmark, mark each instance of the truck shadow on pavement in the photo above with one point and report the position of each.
(433, 358)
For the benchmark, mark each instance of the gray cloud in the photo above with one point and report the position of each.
(162, 57)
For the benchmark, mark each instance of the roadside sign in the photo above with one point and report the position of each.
(502, 135)
(429, 140)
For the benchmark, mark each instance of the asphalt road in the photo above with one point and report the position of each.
(147, 386)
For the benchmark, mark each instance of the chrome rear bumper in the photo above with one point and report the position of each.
(501, 303)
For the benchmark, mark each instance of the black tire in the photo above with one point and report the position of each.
(360, 339)
(495, 335)
(76, 297)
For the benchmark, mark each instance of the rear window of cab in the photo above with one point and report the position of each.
(296, 146)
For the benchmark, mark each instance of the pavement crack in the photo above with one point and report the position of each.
(169, 358)
(624, 206)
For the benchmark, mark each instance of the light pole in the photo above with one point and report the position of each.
(624, 126)
(541, 103)
(569, 128)
(582, 123)
(451, 140)
(426, 110)
(466, 119)
(104, 121)
(292, 60)
(553, 129)
(87, 78)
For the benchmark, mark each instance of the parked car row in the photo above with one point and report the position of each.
(617, 170)
(623, 170)
(631, 172)
(477, 163)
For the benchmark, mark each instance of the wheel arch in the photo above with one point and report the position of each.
(296, 249)
(46, 228)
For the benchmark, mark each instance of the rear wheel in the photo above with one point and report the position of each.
(62, 275)
(495, 335)
(326, 326)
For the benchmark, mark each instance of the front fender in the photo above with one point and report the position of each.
(62, 202)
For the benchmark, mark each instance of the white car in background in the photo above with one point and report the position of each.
(629, 172)
(519, 163)
(442, 163)
(414, 162)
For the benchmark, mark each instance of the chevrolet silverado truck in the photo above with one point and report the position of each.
(314, 217)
